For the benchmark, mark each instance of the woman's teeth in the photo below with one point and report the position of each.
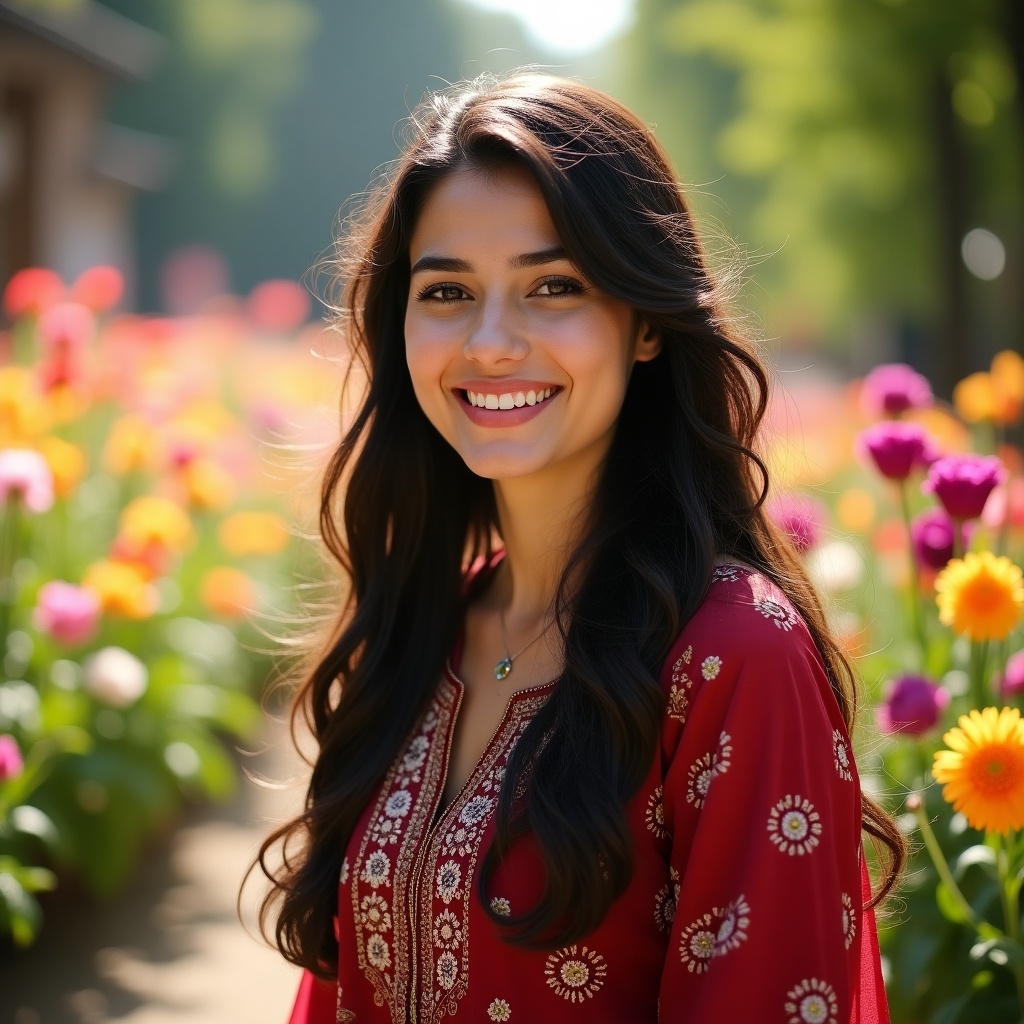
(509, 400)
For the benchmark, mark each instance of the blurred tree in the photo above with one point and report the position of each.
(863, 141)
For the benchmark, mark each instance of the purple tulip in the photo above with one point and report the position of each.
(896, 448)
(800, 517)
(912, 705)
(68, 613)
(963, 483)
(11, 762)
(1012, 682)
(893, 389)
(26, 473)
(933, 533)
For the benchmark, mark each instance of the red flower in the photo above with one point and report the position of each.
(896, 448)
(100, 288)
(32, 290)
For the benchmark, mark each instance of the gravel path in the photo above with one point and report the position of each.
(169, 947)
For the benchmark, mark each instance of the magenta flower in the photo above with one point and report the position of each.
(1011, 684)
(912, 705)
(933, 533)
(963, 483)
(68, 613)
(11, 762)
(800, 517)
(27, 474)
(893, 389)
(896, 448)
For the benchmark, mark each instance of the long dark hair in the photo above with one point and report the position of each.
(681, 484)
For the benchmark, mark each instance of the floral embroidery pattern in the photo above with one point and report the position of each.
(711, 666)
(697, 945)
(344, 872)
(678, 703)
(447, 930)
(449, 875)
(499, 1010)
(849, 920)
(794, 825)
(447, 969)
(725, 574)
(575, 973)
(666, 900)
(655, 816)
(812, 1002)
(841, 752)
(376, 869)
(373, 913)
(704, 770)
(501, 906)
(783, 617)
(378, 953)
(734, 919)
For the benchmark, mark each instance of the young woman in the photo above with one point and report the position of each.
(583, 733)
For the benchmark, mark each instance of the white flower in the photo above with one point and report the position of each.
(849, 920)
(794, 825)
(376, 869)
(373, 913)
(447, 930)
(447, 968)
(398, 804)
(783, 617)
(812, 1002)
(841, 754)
(499, 1010)
(711, 666)
(501, 906)
(449, 875)
(834, 566)
(115, 676)
(475, 810)
(378, 953)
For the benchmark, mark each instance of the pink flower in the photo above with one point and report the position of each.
(800, 517)
(100, 288)
(912, 705)
(932, 533)
(11, 762)
(32, 290)
(68, 613)
(1005, 502)
(1011, 684)
(278, 305)
(896, 448)
(27, 474)
(66, 327)
(894, 388)
(963, 483)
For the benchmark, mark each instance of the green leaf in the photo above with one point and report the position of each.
(949, 906)
(22, 911)
(978, 854)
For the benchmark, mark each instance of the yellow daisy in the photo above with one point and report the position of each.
(983, 773)
(981, 595)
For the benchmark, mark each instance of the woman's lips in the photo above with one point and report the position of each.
(504, 404)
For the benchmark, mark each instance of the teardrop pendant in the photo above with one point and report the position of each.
(502, 669)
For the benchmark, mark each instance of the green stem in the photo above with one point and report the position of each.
(978, 661)
(8, 554)
(916, 614)
(958, 538)
(1009, 891)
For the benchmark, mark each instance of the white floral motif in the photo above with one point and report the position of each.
(344, 872)
(378, 953)
(697, 944)
(499, 1010)
(415, 754)
(655, 815)
(447, 968)
(678, 703)
(812, 1002)
(575, 973)
(725, 574)
(794, 825)
(501, 906)
(447, 930)
(782, 616)
(373, 913)
(711, 666)
(449, 875)
(475, 810)
(398, 804)
(665, 902)
(704, 770)
(376, 869)
(849, 920)
(842, 755)
(734, 921)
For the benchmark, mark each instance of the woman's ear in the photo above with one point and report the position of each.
(648, 343)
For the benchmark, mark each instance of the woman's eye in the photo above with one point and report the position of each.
(442, 293)
(558, 286)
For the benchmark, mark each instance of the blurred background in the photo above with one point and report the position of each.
(173, 174)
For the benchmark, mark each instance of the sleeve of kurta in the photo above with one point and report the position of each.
(762, 800)
(315, 1002)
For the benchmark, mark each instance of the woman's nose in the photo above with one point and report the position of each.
(495, 332)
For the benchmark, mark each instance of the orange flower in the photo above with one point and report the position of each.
(67, 462)
(23, 412)
(983, 772)
(855, 510)
(228, 592)
(980, 595)
(123, 589)
(1008, 370)
(130, 446)
(154, 520)
(253, 533)
(984, 397)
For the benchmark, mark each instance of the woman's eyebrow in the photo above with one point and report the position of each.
(451, 265)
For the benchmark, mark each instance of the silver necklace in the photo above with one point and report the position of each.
(503, 668)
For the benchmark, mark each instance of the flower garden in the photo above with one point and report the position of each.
(149, 556)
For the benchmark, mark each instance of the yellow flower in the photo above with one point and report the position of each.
(253, 533)
(208, 485)
(131, 445)
(975, 398)
(1008, 370)
(981, 595)
(154, 520)
(24, 414)
(855, 510)
(227, 592)
(983, 773)
(67, 463)
(123, 589)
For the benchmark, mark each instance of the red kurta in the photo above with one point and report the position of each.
(745, 900)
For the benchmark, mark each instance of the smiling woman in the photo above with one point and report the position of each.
(584, 736)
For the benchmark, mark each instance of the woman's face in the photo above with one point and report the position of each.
(519, 362)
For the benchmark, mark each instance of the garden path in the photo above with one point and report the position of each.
(169, 948)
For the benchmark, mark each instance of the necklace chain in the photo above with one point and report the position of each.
(503, 668)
